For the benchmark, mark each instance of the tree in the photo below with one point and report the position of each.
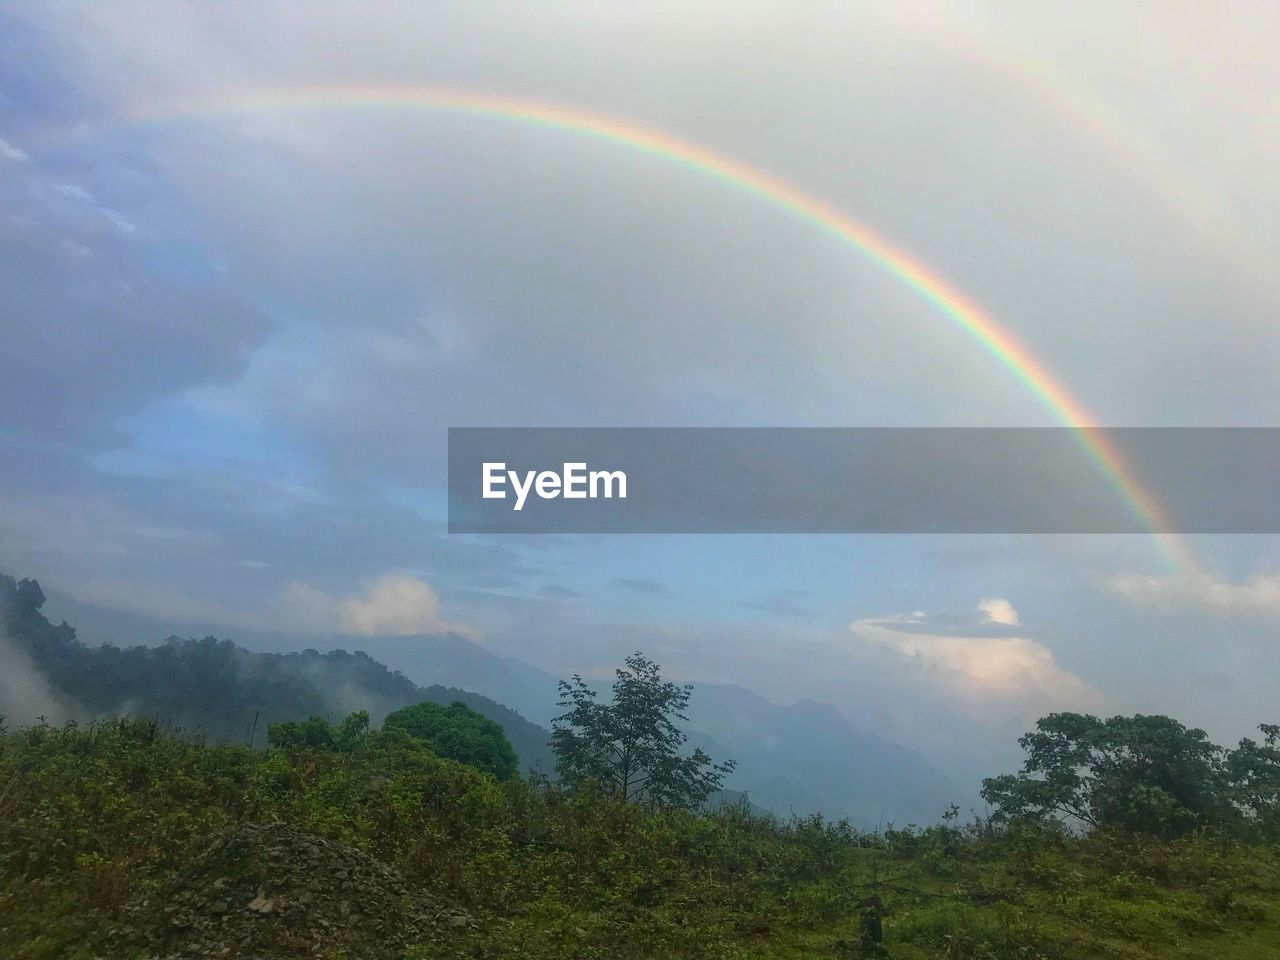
(1254, 769)
(632, 747)
(316, 733)
(459, 733)
(1143, 774)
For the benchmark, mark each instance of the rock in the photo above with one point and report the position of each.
(302, 896)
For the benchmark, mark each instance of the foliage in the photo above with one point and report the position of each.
(100, 822)
(1254, 773)
(222, 690)
(459, 733)
(632, 747)
(104, 824)
(317, 734)
(1140, 774)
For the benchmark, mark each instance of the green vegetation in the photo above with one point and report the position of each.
(1130, 838)
(114, 839)
(631, 748)
(459, 733)
(222, 691)
(1142, 775)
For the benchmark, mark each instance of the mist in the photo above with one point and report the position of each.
(25, 694)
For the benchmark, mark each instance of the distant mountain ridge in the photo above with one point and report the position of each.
(217, 688)
(808, 757)
(798, 758)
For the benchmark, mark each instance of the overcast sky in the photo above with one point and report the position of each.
(234, 339)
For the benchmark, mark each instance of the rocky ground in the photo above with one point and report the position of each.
(272, 891)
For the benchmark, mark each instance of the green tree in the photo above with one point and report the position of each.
(1254, 769)
(1142, 774)
(316, 733)
(632, 747)
(459, 733)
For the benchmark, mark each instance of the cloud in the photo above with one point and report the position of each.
(469, 271)
(781, 602)
(641, 585)
(1259, 594)
(395, 604)
(559, 591)
(80, 195)
(977, 659)
(999, 610)
(10, 153)
(94, 333)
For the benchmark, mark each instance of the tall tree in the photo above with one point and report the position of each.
(1143, 774)
(633, 747)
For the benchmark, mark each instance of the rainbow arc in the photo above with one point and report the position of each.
(994, 338)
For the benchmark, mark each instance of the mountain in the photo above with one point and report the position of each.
(798, 758)
(807, 757)
(454, 661)
(210, 686)
(804, 757)
(443, 660)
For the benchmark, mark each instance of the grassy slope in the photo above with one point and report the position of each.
(92, 822)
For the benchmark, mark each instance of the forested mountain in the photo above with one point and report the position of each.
(800, 758)
(217, 688)
(1133, 837)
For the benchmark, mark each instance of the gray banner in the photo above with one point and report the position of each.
(879, 480)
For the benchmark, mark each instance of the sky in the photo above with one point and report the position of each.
(240, 313)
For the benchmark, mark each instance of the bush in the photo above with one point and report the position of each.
(459, 733)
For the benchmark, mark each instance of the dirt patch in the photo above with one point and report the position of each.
(272, 891)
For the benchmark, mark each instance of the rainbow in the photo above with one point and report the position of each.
(1077, 108)
(931, 287)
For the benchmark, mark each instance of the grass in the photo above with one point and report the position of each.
(93, 819)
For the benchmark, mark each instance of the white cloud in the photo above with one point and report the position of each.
(999, 610)
(73, 192)
(1258, 594)
(978, 660)
(10, 153)
(396, 604)
(79, 194)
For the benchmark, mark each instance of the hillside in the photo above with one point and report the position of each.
(217, 688)
(784, 752)
(122, 840)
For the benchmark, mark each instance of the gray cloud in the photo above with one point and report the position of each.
(661, 291)
(421, 271)
(559, 591)
(778, 602)
(641, 585)
(91, 333)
